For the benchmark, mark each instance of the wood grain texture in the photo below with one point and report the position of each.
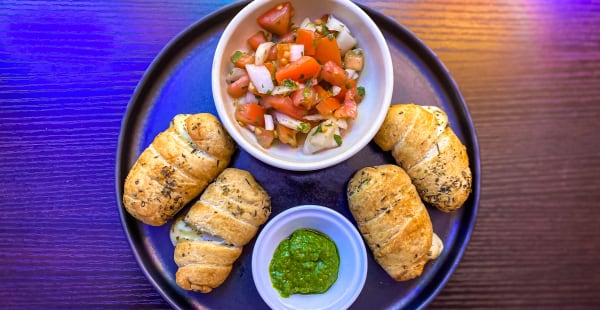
(529, 71)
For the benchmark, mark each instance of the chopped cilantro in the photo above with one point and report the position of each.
(303, 127)
(236, 56)
(288, 83)
(338, 139)
(306, 92)
(317, 130)
(361, 91)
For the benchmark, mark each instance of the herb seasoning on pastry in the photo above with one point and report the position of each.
(429, 151)
(393, 220)
(210, 237)
(176, 167)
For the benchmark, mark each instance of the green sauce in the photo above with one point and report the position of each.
(307, 262)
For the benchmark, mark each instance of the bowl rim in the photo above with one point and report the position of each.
(312, 211)
(263, 154)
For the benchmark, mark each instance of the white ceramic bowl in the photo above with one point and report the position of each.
(353, 258)
(377, 79)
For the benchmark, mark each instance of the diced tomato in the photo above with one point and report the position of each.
(301, 70)
(277, 19)
(327, 106)
(287, 135)
(305, 97)
(289, 37)
(239, 88)
(256, 39)
(326, 49)
(264, 137)
(334, 74)
(250, 114)
(272, 53)
(308, 39)
(284, 105)
(353, 94)
(346, 111)
(241, 59)
(349, 108)
(350, 83)
(321, 92)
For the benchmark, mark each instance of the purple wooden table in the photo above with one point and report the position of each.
(529, 72)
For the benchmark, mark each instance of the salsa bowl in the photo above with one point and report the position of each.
(376, 79)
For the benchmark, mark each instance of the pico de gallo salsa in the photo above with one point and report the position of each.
(297, 83)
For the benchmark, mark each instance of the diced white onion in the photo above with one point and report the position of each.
(352, 74)
(290, 122)
(308, 25)
(314, 117)
(342, 123)
(335, 90)
(235, 74)
(250, 98)
(321, 137)
(242, 100)
(260, 77)
(269, 125)
(296, 51)
(262, 52)
(284, 89)
(334, 24)
(345, 41)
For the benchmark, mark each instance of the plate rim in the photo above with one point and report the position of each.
(468, 217)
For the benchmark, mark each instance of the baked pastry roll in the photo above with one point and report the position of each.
(203, 261)
(176, 167)
(393, 220)
(430, 152)
(210, 237)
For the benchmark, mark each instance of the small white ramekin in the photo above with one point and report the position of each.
(353, 258)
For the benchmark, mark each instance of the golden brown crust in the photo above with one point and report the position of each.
(232, 207)
(404, 256)
(222, 224)
(200, 277)
(210, 137)
(398, 120)
(237, 192)
(176, 167)
(155, 190)
(228, 213)
(417, 135)
(444, 178)
(205, 252)
(396, 226)
(418, 139)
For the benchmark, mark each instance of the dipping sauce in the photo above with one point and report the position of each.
(307, 262)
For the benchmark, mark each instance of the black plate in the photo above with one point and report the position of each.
(178, 81)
